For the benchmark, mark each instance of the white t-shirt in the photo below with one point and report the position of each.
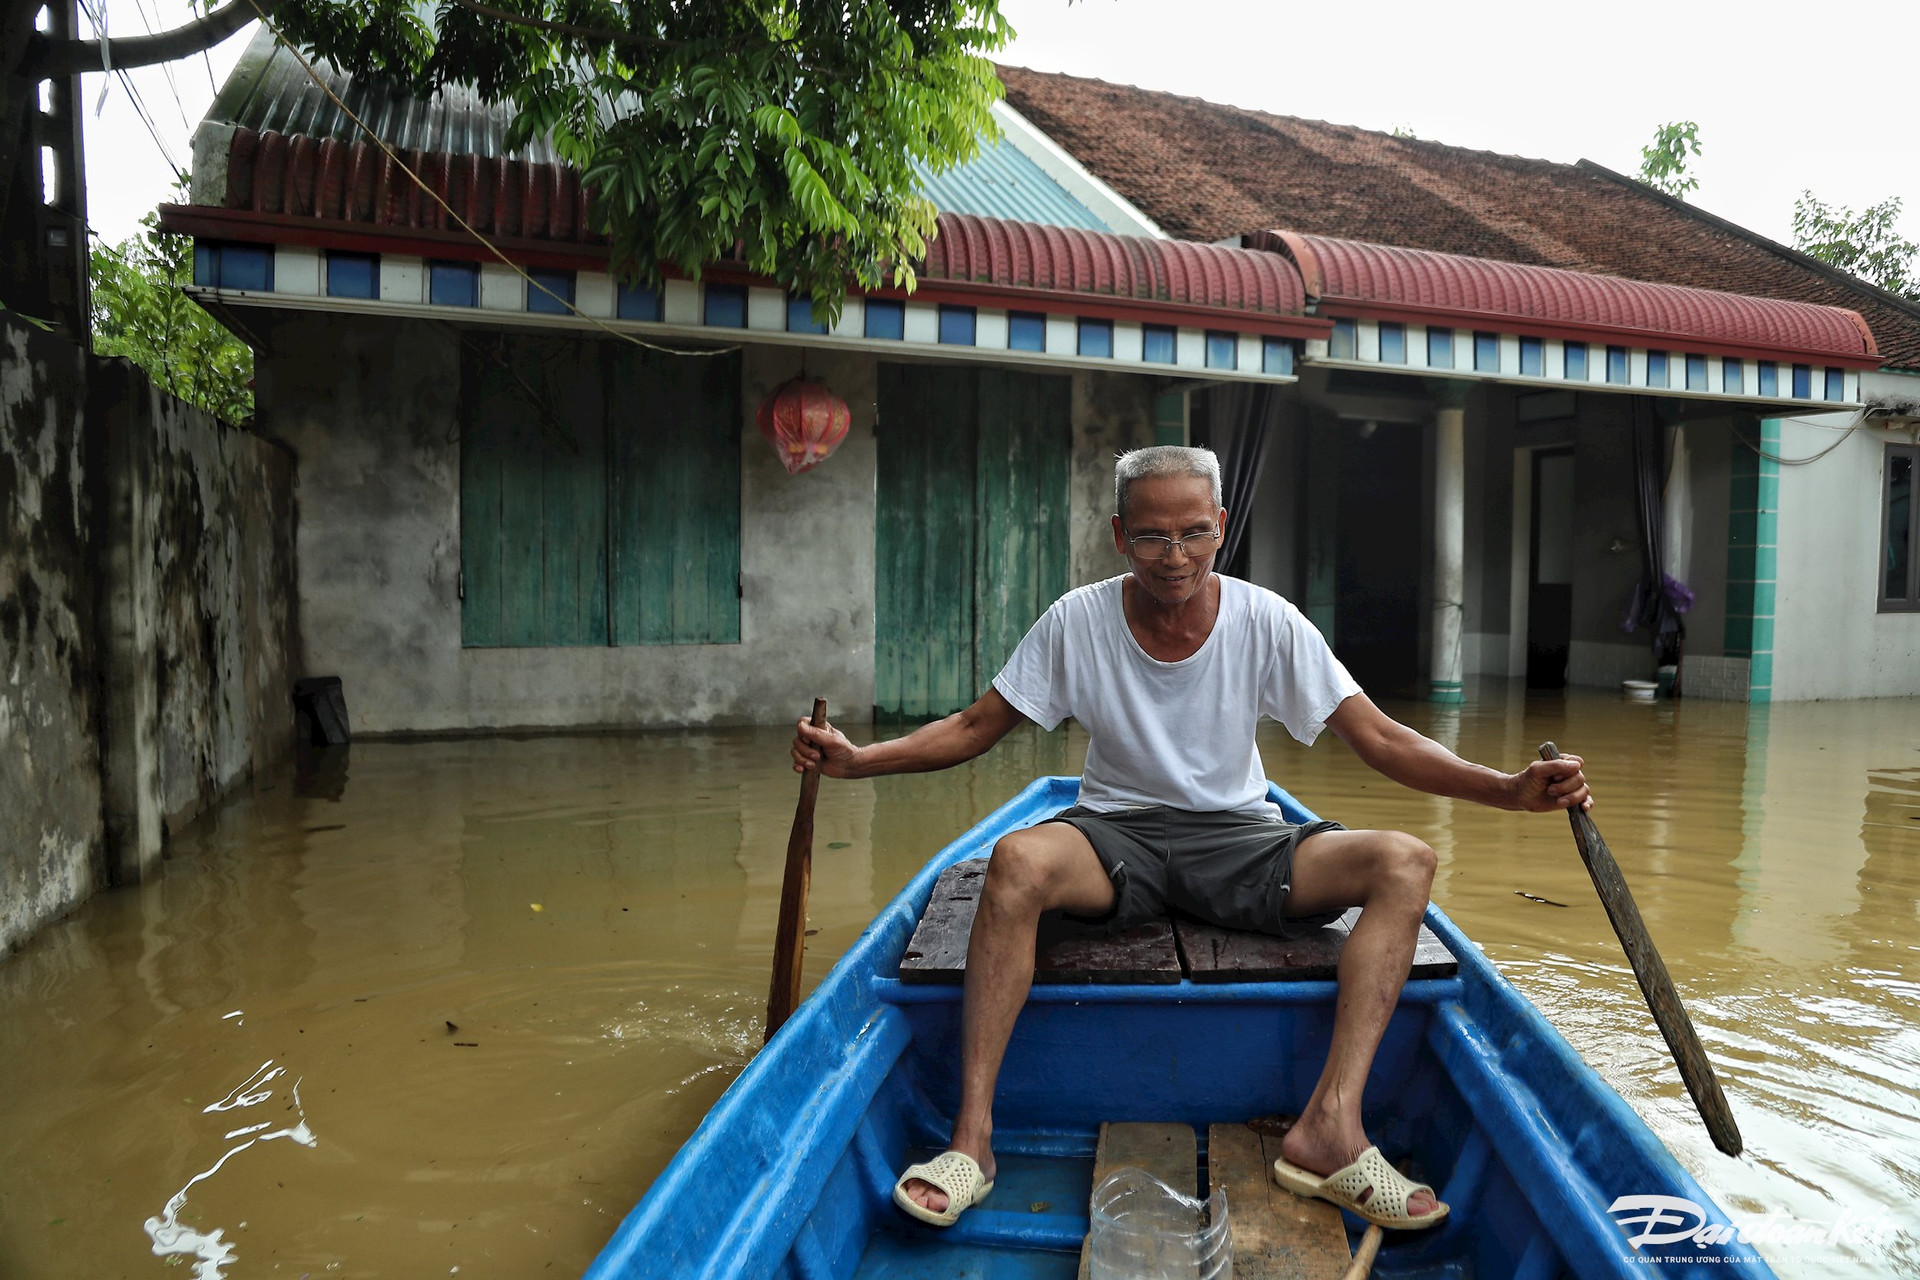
(1176, 733)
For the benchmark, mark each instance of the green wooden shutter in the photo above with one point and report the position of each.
(674, 426)
(1021, 508)
(533, 518)
(971, 531)
(924, 532)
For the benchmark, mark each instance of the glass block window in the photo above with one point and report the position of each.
(1769, 378)
(1096, 338)
(1276, 356)
(1440, 348)
(800, 316)
(1344, 342)
(1836, 384)
(1617, 365)
(1223, 350)
(1574, 361)
(353, 275)
(1393, 344)
(957, 325)
(1802, 382)
(1026, 331)
(1533, 358)
(233, 266)
(453, 284)
(1486, 352)
(542, 285)
(636, 302)
(726, 306)
(1733, 376)
(1696, 373)
(1158, 344)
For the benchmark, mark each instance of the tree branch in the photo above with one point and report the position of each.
(54, 59)
(601, 33)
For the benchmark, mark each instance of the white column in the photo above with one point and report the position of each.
(1449, 552)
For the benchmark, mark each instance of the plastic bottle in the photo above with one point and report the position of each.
(1142, 1229)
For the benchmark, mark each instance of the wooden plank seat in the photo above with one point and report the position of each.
(1160, 951)
(1276, 1234)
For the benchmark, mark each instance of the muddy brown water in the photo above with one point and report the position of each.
(447, 1008)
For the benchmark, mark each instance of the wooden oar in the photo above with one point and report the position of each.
(1651, 971)
(790, 941)
(1363, 1257)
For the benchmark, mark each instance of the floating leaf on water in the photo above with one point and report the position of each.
(536, 906)
(839, 844)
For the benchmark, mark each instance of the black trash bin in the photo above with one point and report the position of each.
(324, 704)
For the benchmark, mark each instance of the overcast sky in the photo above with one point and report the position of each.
(1787, 98)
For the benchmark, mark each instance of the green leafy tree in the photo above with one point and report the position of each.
(141, 312)
(1865, 244)
(1663, 165)
(785, 133)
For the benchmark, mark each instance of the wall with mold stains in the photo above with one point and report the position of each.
(146, 620)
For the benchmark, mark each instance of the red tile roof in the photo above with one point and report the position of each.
(1354, 278)
(1208, 172)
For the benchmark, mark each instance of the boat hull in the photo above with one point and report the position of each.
(1472, 1090)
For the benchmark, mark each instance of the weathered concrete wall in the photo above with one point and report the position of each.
(52, 845)
(371, 409)
(1111, 414)
(145, 616)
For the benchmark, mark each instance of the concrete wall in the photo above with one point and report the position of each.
(1111, 414)
(52, 842)
(145, 619)
(371, 408)
(1830, 640)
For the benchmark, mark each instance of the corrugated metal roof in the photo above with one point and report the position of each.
(269, 92)
(1482, 291)
(1026, 255)
(1003, 182)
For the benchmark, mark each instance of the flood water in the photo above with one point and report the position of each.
(448, 1007)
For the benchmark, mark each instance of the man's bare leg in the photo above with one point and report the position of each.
(1044, 868)
(1390, 874)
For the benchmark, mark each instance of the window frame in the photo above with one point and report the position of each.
(1910, 603)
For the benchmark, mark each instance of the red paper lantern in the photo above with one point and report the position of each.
(804, 422)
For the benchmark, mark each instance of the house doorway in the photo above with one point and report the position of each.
(971, 537)
(1550, 570)
(1378, 550)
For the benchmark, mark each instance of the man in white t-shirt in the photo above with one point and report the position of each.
(1170, 668)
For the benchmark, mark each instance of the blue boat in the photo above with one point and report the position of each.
(791, 1173)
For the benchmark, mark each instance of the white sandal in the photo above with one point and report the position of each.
(953, 1172)
(1386, 1207)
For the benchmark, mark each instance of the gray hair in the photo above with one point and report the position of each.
(1163, 460)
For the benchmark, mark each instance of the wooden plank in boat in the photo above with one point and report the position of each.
(1276, 1234)
(1170, 1152)
(1067, 952)
(1214, 954)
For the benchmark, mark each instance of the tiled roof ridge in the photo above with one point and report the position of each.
(1796, 256)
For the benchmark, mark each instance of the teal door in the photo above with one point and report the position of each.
(971, 534)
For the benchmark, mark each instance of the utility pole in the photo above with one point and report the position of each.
(43, 202)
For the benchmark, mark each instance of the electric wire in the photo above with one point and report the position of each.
(1858, 419)
(454, 214)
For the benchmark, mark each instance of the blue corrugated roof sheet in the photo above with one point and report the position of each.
(1002, 182)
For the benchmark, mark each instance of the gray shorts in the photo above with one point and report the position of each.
(1229, 869)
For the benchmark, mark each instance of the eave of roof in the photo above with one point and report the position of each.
(1349, 277)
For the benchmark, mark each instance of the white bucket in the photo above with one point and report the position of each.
(1638, 690)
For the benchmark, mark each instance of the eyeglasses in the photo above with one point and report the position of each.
(1154, 547)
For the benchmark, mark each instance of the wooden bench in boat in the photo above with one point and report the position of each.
(1276, 1234)
(1160, 951)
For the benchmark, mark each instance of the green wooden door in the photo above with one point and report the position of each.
(533, 511)
(971, 532)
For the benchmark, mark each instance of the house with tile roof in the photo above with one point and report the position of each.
(532, 495)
